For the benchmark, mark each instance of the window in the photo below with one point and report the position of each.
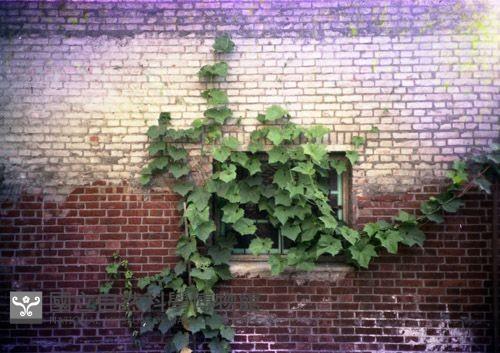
(337, 185)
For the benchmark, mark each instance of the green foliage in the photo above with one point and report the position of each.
(458, 173)
(358, 141)
(223, 44)
(215, 96)
(328, 244)
(260, 246)
(216, 70)
(296, 202)
(277, 263)
(218, 114)
(362, 253)
(352, 156)
(339, 166)
(273, 113)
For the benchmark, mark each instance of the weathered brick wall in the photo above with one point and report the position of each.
(82, 81)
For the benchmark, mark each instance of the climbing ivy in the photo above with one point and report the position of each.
(295, 202)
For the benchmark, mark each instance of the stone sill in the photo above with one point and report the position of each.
(247, 266)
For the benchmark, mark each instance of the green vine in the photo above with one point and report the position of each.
(113, 271)
(296, 202)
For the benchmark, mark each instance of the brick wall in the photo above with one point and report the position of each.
(82, 80)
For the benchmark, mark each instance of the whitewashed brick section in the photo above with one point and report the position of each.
(74, 110)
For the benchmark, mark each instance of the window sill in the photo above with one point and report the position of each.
(248, 266)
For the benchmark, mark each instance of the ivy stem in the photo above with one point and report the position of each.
(186, 233)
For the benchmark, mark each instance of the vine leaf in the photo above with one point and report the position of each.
(429, 207)
(371, 229)
(282, 214)
(228, 173)
(277, 155)
(405, 217)
(223, 44)
(452, 206)
(143, 282)
(145, 179)
(484, 184)
(216, 70)
(153, 132)
(305, 168)
(156, 146)
(362, 253)
(328, 244)
(458, 174)
(183, 188)
(215, 96)
(291, 231)
(106, 288)
(357, 141)
(283, 198)
(255, 146)
(316, 132)
(112, 269)
(232, 213)
(316, 152)
(180, 340)
(166, 324)
(159, 163)
(185, 247)
(144, 303)
(245, 226)
(412, 235)
(229, 191)
(253, 166)
(178, 170)
(194, 324)
(275, 135)
(204, 230)
(282, 177)
(147, 324)
(349, 234)
(329, 221)
(339, 165)
(177, 153)
(389, 239)
(434, 217)
(219, 254)
(249, 194)
(277, 263)
(273, 113)
(260, 246)
(164, 118)
(204, 274)
(221, 154)
(219, 114)
(218, 346)
(240, 157)
(227, 333)
(214, 321)
(200, 197)
(352, 156)
(231, 142)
